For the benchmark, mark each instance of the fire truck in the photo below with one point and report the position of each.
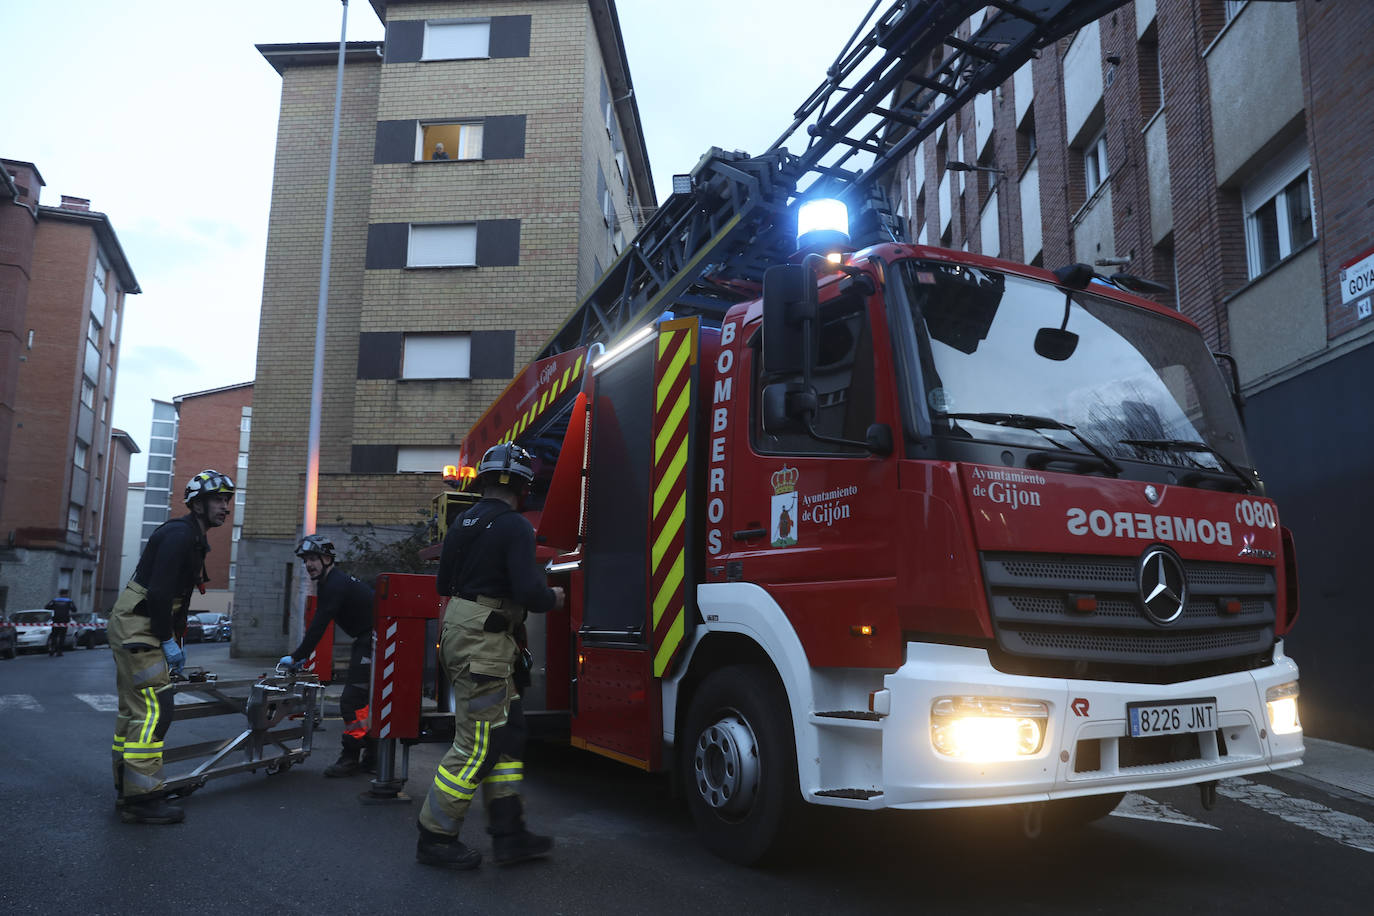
(849, 521)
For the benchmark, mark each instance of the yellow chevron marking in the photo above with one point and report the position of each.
(672, 527)
(671, 640)
(672, 372)
(669, 592)
(672, 476)
(672, 424)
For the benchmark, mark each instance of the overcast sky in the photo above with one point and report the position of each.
(164, 115)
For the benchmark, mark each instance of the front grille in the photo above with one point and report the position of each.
(1036, 625)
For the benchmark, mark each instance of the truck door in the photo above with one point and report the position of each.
(815, 522)
(638, 601)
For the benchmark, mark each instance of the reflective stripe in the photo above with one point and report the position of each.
(152, 709)
(118, 746)
(459, 789)
(481, 738)
(507, 771)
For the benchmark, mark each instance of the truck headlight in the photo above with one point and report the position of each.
(987, 729)
(1283, 708)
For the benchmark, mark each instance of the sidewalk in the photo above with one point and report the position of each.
(1340, 765)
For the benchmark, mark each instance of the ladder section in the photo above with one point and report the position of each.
(899, 77)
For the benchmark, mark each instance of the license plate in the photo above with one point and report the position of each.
(1175, 718)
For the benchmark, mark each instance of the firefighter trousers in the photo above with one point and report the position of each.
(353, 705)
(145, 703)
(488, 721)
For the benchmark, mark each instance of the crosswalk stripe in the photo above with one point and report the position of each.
(1336, 825)
(1139, 807)
(19, 701)
(100, 702)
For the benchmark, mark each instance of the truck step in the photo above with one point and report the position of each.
(856, 794)
(862, 715)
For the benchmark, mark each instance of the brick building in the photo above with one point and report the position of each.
(1220, 148)
(108, 582)
(212, 431)
(446, 274)
(64, 279)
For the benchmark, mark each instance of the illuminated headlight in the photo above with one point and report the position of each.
(986, 729)
(1283, 708)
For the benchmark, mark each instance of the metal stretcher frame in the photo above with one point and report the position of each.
(270, 701)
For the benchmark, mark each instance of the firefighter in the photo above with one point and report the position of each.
(147, 655)
(341, 599)
(62, 609)
(488, 571)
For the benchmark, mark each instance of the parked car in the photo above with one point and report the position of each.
(90, 630)
(33, 628)
(9, 639)
(203, 626)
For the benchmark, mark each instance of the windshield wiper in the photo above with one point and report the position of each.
(1185, 445)
(1037, 424)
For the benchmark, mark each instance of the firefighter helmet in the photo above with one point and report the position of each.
(503, 462)
(316, 543)
(206, 482)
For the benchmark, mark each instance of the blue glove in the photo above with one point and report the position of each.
(176, 658)
(289, 662)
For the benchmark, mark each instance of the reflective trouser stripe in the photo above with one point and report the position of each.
(507, 771)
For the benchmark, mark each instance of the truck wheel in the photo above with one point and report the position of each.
(740, 765)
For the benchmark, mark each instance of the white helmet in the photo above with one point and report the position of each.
(316, 543)
(206, 482)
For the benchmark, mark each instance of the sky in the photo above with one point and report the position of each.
(164, 115)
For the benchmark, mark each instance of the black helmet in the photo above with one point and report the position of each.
(506, 464)
(316, 543)
(208, 481)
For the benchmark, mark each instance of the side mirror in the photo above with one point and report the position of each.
(878, 438)
(1055, 343)
(785, 408)
(789, 302)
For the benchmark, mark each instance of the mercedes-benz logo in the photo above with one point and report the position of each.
(1163, 585)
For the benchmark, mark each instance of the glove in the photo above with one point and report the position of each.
(176, 658)
(289, 662)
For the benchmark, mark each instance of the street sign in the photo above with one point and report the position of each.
(1357, 278)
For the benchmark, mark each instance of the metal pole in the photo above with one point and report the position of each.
(312, 460)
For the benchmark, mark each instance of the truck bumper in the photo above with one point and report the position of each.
(1086, 749)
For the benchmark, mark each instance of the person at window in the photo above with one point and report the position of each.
(141, 630)
(439, 152)
(63, 609)
(488, 571)
(341, 599)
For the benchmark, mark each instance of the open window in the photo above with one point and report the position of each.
(448, 141)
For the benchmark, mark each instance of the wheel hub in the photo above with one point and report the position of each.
(726, 765)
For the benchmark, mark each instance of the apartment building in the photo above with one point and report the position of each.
(1220, 149)
(213, 428)
(108, 582)
(490, 163)
(65, 281)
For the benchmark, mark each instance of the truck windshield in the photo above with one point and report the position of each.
(1136, 385)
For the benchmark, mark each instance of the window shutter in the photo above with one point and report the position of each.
(373, 459)
(395, 142)
(498, 243)
(493, 354)
(404, 41)
(386, 245)
(504, 137)
(510, 36)
(379, 354)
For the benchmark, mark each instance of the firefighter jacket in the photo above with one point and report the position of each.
(172, 564)
(489, 552)
(341, 599)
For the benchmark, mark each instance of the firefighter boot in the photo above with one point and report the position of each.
(511, 842)
(368, 763)
(150, 811)
(346, 765)
(445, 851)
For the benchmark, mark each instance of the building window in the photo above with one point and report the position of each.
(240, 498)
(623, 164)
(93, 331)
(160, 463)
(86, 577)
(1233, 8)
(73, 517)
(91, 367)
(88, 393)
(243, 463)
(462, 40)
(1278, 210)
(81, 454)
(246, 424)
(448, 141)
(448, 245)
(424, 459)
(98, 291)
(1095, 169)
(437, 356)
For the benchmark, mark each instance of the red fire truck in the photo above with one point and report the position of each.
(893, 527)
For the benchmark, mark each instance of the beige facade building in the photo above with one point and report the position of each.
(446, 275)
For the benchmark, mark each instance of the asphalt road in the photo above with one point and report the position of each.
(298, 843)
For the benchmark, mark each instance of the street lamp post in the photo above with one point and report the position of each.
(312, 460)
